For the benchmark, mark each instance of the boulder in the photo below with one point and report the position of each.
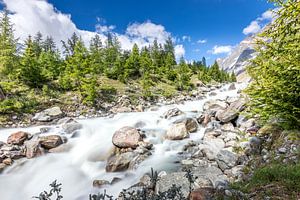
(232, 86)
(202, 194)
(127, 137)
(178, 178)
(50, 141)
(177, 132)
(214, 105)
(190, 124)
(226, 159)
(71, 128)
(119, 162)
(232, 111)
(172, 113)
(17, 138)
(33, 148)
(100, 183)
(48, 114)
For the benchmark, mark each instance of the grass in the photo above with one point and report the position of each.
(279, 181)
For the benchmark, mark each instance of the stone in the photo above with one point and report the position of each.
(70, 128)
(190, 124)
(50, 141)
(172, 113)
(202, 194)
(61, 148)
(227, 127)
(177, 132)
(7, 161)
(232, 111)
(17, 138)
(139, 124)
(119, 163)
(226, 159)
(214, 105)
(127, 137)
(282, 150)
(178, 178)
(124, 109)
(33, 148)
(48, 114)
(232, 87)
(2, 167)
(100, 183)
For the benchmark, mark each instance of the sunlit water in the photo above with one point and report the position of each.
(86, 161)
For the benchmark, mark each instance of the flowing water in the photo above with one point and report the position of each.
(85, 162)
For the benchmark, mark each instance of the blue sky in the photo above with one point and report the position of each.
(209, 28)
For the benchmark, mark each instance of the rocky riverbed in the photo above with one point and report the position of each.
(206, 134)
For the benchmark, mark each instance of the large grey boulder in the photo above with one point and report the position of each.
(226, 159)
(232, 111)
(190, 124)
(177, 178)
(33, 148)
(177, 132)
(48, 114)
(119, 162)
(214, 105)
(127, 137)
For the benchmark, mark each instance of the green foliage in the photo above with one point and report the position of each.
(275, 89)
(183, 77)
(8, 46)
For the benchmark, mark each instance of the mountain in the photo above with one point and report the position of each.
(239, 58)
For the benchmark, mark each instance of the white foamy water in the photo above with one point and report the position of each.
(85, 162)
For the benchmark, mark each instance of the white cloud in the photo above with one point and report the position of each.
(221, 49)
(186, 38)
(253, 28)
(179, 51)
(256, 25)
(201, 41)
(31, 16)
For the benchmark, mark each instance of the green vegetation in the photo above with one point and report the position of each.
(275, 90)
(280, 181)
(30, 77)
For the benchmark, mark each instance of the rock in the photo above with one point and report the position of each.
(227, 127)
(140, 108)
(7, 161)
(177, 178)
(232, 111)
(210, 173)
(48, 115)
(33, 148)
(61, 148)
(119, 162)
(177, 132)
(17, 138)
(115, 180)
(252, 130)
(190, 124)
(72, 127)
(2, 167)
(100, 183)
(232, 87)
(126, 137)
(50, 141)
(212, 94)
(202, 194)
(226, 159)
(282, 150)
(172, 113)
(124, 109)
(139, 124)
(214, 105)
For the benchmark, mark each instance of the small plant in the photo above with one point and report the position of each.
(54, 192)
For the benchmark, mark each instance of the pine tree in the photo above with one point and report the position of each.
(275, 89)
(183, 75)
(233, 77)
(38, 44)
(8, 46)
(96, 54)
(30, 71)
(203, 61)
(69, 46)
(132, 65)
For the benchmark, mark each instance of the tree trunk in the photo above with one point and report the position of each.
(2, 94)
